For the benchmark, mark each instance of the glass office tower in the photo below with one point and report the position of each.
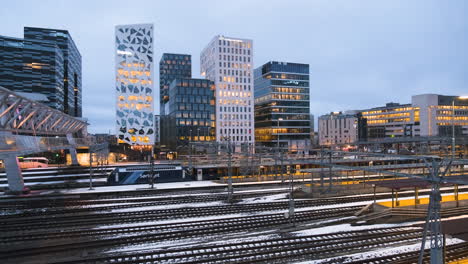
(282, 111)
(172, 66)
(191, 115)
(46, 61)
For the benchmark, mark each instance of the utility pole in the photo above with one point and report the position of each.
(281, 166)
(291, 197)
(321, 169)
(190, 154)
(453, 129)
(278, 148)
(152, 172)
(330, 172)
(433, 221)
(230, 189)
(90, 169)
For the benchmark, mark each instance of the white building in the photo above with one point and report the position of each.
(228, 62)
(134, 84)
(439, 113)
(338, 128)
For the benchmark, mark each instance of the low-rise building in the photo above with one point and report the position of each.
(428, 115)
(338, 128)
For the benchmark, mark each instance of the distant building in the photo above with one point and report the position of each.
(428, 115)
(228, 63)
(172, 66)
(134, 84)
(191, 113)
(392, 120)
(282, 110)
(438, 113)
(45, 61)
(338, 128)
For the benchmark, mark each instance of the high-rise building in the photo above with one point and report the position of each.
(228, 63)
(282, 111)
(172, 66)
(47, 62)
(134, 84)
(191, 113)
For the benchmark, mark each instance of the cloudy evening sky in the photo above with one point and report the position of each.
(361, 53)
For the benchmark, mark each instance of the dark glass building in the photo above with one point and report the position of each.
(46, 61)
(191, 113)
(282, 111)
(172, 66)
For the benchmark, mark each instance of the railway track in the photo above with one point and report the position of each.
(40, 222)
(276, 250)
(160, 201)
(247, 221)
(453, 253)
(94, 239)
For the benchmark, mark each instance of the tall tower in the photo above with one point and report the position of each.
(228, 63)
(134, 84)
(282, 105)
(46, 61)
(172, 66)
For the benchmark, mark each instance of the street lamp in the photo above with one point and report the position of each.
(453, 123)
(277, 132)
(278, 148)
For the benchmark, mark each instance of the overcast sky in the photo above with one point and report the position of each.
(361, 53)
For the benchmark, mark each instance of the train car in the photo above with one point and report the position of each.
(141, 174)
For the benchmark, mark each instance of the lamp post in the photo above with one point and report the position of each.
(278, 148)
(453, 123)
(190, 154)
(229, 151)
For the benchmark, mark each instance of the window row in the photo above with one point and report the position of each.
(194, 122)
(236, 123)
(199, 115)
(234, 43)
(193, 107)
(236, 109)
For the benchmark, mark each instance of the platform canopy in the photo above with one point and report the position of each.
(403, 183)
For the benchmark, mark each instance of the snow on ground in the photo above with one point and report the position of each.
(173, 221)
(264, 199)
(25, 173)
(57, 182)
(188, 194)
(165, 186)
(379, 252)
(346, 228)
(167, 206)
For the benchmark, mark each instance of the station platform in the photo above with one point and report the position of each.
(422, 201)
(461, 261)
(187, 187)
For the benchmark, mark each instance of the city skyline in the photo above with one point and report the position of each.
(388, 53)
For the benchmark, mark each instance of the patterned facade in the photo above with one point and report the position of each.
(228, 62)
(47, 62)
(134, 84)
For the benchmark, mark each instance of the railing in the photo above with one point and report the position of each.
(22, 145)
